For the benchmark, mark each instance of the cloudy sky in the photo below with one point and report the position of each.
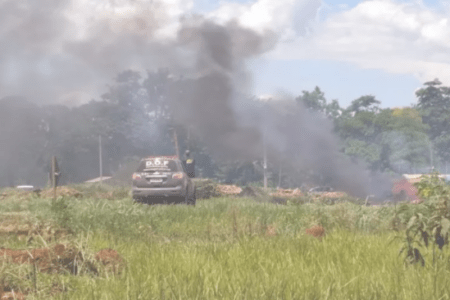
(349, 48)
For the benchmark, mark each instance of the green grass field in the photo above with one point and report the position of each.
(224, 248)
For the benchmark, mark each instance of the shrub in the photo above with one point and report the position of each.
(431, 224)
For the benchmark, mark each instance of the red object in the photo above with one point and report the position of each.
(404, 185)
(136, 176)
(177, 176)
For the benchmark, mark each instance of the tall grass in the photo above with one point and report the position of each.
(236, 249)
(343, 266)
(215, 217)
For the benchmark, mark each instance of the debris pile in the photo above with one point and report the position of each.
(316, 231)
(331, 195)
(111, 260)
(228, 189)
(287, 193)
(252, 192)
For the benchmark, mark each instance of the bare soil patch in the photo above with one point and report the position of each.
(271, 230)
(61, 258)
(11, 295)
(48, 260)
(111, 260)
(316, 231)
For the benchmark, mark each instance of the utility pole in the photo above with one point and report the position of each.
(265, 160)
(100, 158)
(279, 177)
(175, 139)
(431, 157)
(189, 138)
(54, 169)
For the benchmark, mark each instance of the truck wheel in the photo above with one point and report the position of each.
(186, 198)
(192, 200)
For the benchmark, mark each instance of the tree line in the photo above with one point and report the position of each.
(134, 119)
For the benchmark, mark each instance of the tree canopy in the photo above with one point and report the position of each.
(135, 119)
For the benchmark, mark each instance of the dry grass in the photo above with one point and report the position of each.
(62, 191)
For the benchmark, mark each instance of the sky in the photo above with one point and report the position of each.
(350, 48)
(68, 50)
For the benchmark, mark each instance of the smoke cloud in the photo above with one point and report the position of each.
(66, 51)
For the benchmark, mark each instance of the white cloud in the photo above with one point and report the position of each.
(163, 15)
(401, 38)
(275, 15)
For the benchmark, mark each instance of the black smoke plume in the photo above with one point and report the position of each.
(52, 54)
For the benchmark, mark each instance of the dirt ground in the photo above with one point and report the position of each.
(11, 295)
(48, 260)
(60, 258)
(316, 231)
(111, 260)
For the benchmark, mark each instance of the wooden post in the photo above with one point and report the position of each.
(54, 176)
(265, 161)
(189, 138)
(279, 177)
(100, 158)
(175, 139)
(431, 158)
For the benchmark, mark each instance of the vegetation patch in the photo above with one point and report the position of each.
(246, 248)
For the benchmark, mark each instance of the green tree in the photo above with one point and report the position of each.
(407, 139)
(434, 106)
(361, 127)
(316, 101)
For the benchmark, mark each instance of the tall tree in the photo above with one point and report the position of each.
(316, 101)
(434, 106)
(360, 126)
(408, 140)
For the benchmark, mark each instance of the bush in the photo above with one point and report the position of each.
(430, 223)
(206, 189)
